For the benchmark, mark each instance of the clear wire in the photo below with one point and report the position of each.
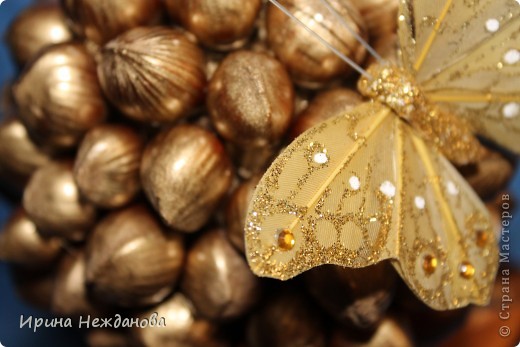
(347, 26)
(323, 41)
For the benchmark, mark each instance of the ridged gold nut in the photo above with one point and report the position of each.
(102, 20)
(153, 74)
(53, 202)
(107, 165)
(58, 96)
(217, 278)
(132, 260)
(185, 173)
(310, 63)
(37, 27)
(220, 24)
(20, 243)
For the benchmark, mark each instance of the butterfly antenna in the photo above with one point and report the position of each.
(349, 28)
(322, 40)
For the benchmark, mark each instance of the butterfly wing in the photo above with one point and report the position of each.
(344, 193)
(466, 56)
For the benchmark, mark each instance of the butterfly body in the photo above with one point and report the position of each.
(376, 183)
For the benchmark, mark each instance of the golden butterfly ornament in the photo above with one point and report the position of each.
(377, 183)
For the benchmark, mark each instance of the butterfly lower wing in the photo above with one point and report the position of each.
(466, 55)
(324, 190)
(448, 254)
(362, 188)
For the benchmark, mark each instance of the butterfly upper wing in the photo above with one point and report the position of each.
(464, 55)
(346, 191)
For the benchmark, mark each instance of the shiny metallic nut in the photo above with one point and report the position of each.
(132, 260)
(153, 74)
(35, 287)
(380, 17)
(59, 97)
(236, 212)
(251, 99)
(310, 62)
(37, 27)
(21, 243)
(287, 319)
(217, 278)
(101, 20)
(53, 203)
(19, 155)
(391, 332)
(70, 297)
(107, 165)
(185, 172)
(490, 175)
(349, 296)
(184, 328)
(325, 105)
(221, 24)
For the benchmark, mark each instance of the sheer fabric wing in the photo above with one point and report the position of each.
(466, 55)
(361, 188)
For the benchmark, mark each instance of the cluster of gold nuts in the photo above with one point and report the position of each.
(135, 134)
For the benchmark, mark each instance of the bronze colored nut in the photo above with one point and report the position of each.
(349, 297)
(327, 104)
(286, 319)
(184, 327)
(37, 27)
(53, 202)
(153, 74)
(21, 243)
(217, 278)
(236, 212)
(251, 99)
(310, 62)
(58, 96)
(132, 261)
(221, 24)
(19, 155)
(185, 172)
(101, 20)
(107, 165)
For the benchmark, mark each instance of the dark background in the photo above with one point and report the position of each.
(11, 308)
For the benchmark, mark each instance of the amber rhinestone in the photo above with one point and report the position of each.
(467, 270)
(286, 240)
(429, 264)
(482, 238)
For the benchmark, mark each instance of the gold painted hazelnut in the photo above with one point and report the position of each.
(349, 297)
(132, 260)
(184, 327)
(221, 24)
(20, 157)
(37, 27)
(286, 319)
(251, 99)
(327, 104)
(107, 165)
(310, 63)
(53, 202)
(236, 212)
(153, 74)
(102, 20)
(21, 243)
(185, 173)
(70, 296)
(58, 96)
(217, 278)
